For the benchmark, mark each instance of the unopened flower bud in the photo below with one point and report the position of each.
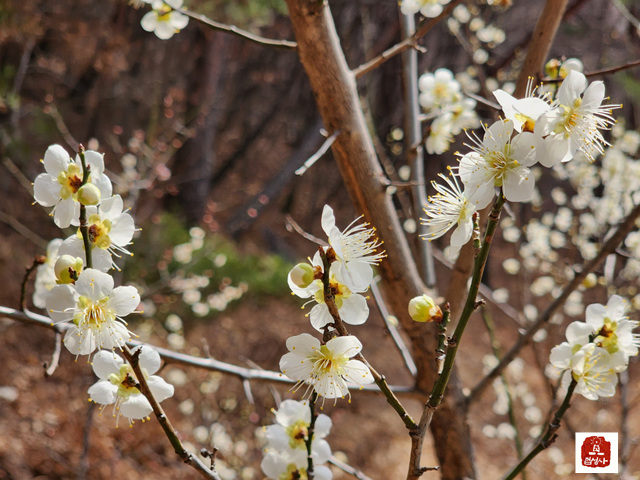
(89, 194)
(424, 309)
(551, 68)
(302, 275)
(590, 281)
(67, 269)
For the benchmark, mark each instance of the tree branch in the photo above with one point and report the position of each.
(608, 247)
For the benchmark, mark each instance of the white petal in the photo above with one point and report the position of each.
(160, 388)
(56, 160)
(164, 30)
(65, 212)
(124, 300)
(320, 451)
(303, 344)
(94, 284)
(462, 234)
(320, 472)
(354, 310)
(150, 21)
(149, 359)
(348, 346)
(323, 426)
(94, 160)
(560, 356)
(105, 363)
(61, 303)
(103, 392)
(46, 190)
(277, 437)
(320, 316)
(136, 407)
(595, 314)
(292, 411)
(122, 230)
(572, 86)
(616, 307)
(358, 373)
(578, 333)
(518, 185)
(79, 342)
(273, 465)
(523, 148)
(104, 185)
(295, 366)
(328, 220)
(114, 335)
(178, 20)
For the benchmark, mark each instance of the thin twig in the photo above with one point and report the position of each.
(186, 456)
(609, 246)
(379, 380)
(318, 155)
(348, 469)
(23, 230)
(17, 173)
(267, 42)
(626, 14)
(495, 347)
(53, 111)
(549, 436)
(55, 356)
(393, 330)
(39, 260)
(410, 42)
(295, 226)
(172, 357)
(597, 73)
(437, 393)
(309, 437)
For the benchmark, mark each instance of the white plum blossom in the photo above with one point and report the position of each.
(45, 274)
(282, 466)
(96, 310)
(428, 8)
(163, 20)
(290, 431)
(325, 368)
(575, 121)
(58, 187)
(438, 89)
(355, 249)
(448, 208)
(352, 307)
(590, 366)
(117, 383)
(499, 161)
(440, 134)
(613, 330)
(110, 232)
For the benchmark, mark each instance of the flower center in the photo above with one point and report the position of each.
(607, 337)
(126, 382)
(327, 362)
(71, 180)
(94, 313)
(297, 434)
(99, 231)
(294, 473)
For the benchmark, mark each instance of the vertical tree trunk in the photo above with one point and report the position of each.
(336, 96)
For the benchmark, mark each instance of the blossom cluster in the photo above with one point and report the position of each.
(442, 99)
(427, 8)
(326, 367)
(286, 454)
(535, 129)
(72, 282)
(597, 349)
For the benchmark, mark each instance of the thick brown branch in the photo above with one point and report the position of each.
(540, 43)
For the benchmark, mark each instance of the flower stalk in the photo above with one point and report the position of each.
(84, 229)
(309, 439)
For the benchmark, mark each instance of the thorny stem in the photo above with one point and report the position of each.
(39, 260)
(170, 432)
(549, 436)
(309, 439)
(342, 331)
(84, 229)
(437, 393)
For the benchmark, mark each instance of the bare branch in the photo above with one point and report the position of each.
(318, 155)
(393, 330)
(39, 260)
(540, 43)
(348, 469)
(55, 357)
(267, 42)
(170, 356)
(598, 73)
(411, 42)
